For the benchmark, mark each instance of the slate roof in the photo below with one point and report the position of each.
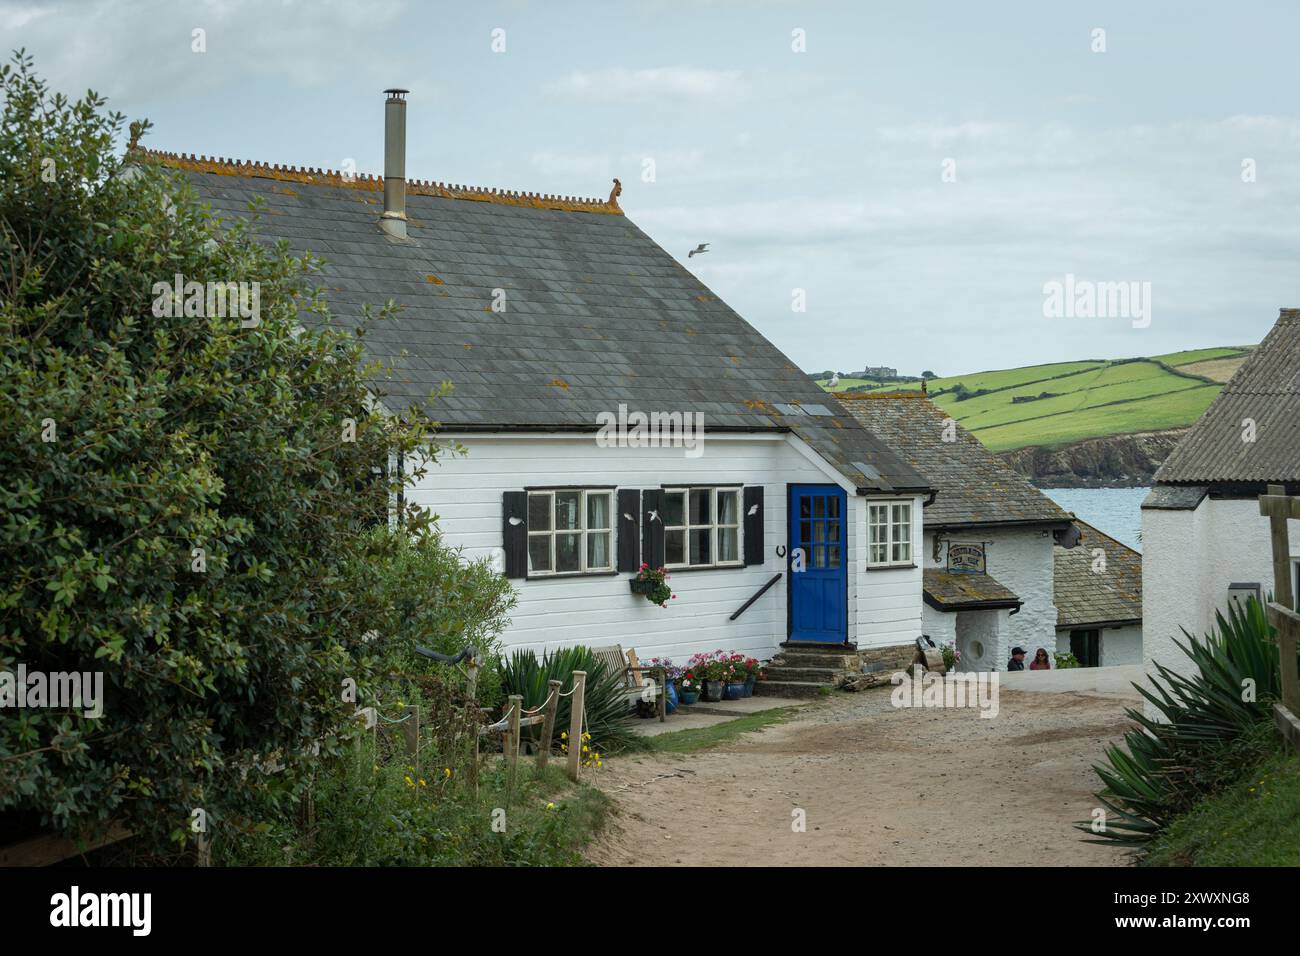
(1266, 390)
(947, 591)
(1086, 597)
(974, 485)
(597, 313)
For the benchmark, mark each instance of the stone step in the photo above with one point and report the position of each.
(839, 662)
(789, 688)
(814, 675)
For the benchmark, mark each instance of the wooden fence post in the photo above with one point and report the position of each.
(411, 734)
(661, 705)
(575, 722)
(548, 725)
(512, 733)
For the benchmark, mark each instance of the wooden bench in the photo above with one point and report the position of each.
(616, 661)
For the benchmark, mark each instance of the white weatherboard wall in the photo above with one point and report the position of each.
(1189, 557)
(1019, 559)
(465, 492)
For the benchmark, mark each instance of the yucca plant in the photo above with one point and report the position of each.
(609, 716)
(1205, 736)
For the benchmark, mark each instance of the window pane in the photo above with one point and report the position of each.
(833, 556)
(597, 551)
(566, 552)
(805, 508)
(728, 544)
(597, 509)
(805, 531)
(673, 509)
(539, 552)
(819, 507)
(819, 557)
(833, 532)
(701, 506)
(903, 552)
(832, 507)
(701, 550)
(728, 507)
(901, 515)
(539, 512)
(568, 509)
(819, 531)
(674, 547)
(878, 554)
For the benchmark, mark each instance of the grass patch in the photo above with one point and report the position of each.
(1254, 823)
(702, 738)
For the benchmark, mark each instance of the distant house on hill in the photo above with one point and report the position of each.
(1098, 590)
(569, 335)
(1204, 541)
(990, 536)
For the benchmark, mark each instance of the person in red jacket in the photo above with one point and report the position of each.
(1040, 661)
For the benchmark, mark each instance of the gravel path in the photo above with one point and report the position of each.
(878, 786)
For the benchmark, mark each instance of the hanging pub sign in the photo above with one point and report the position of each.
(966, 558)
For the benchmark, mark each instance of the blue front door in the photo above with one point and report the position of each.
(818, 564)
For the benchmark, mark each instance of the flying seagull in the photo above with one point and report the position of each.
(699, 250)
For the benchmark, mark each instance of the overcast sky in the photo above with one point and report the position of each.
(819, 170)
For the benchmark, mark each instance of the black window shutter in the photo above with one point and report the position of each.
(754, 524)
(652, 541)
(629, 530)
(514, 532)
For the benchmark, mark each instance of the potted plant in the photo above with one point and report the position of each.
(712, 673)
(754, 673)
(688, 690)
(736, 675)
(653, 583)
(672, 673)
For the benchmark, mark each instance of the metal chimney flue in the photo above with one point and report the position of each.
(393, 221)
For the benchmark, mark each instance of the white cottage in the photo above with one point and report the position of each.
(613, 411)
(1204, 542)
(989, 539)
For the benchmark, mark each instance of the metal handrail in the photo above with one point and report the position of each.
(761, 591)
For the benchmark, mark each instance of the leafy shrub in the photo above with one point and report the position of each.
(182, 506)
(429, 595)
(608, 715)
(1065, 660)
(1210, 732)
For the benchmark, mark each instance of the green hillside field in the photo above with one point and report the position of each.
(1066, 402)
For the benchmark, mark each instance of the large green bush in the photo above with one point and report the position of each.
(1213, 724)
(128, 441)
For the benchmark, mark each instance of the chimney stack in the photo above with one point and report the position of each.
(393, 221)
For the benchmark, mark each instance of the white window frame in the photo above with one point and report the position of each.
(582, 532)
(686, 527)
(889, 504)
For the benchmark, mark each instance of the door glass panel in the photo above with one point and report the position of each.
(819, 507)
(567, 509)
(833, 532)
(673, 508)
(833, 556)
(805, 531)
(819, 557)
(805, 508)
(833, 507)
(819, 531)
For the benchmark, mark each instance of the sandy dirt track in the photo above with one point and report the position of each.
(879, 785)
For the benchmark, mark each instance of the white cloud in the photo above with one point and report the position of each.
(620, 85)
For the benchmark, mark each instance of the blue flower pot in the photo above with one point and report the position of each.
(688, 697)
(734, 691)
(713, 690)
(670, 702)
(749, 687)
